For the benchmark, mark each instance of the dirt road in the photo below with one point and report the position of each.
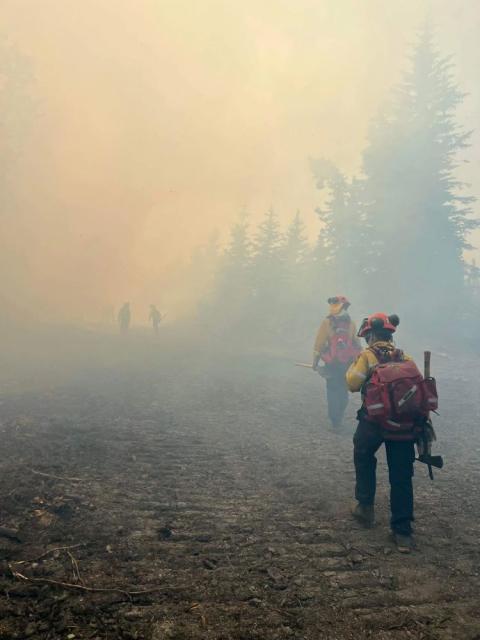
(207, 498)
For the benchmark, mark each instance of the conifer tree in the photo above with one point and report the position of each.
(203, 270)
(238, 254)
(267, 242)
(295, 248)
(418, 221)
(267, 273)
(296, 292)
(338, 247)
(232, 285)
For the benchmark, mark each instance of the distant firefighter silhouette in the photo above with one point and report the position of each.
(124, 317)
(155, 318)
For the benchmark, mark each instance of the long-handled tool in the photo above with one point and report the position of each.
(320, 370)
(427, 355)
(428, 434)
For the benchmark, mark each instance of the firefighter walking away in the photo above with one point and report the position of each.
(337, 345)
(155, 318)
(124, 317)
(396, 401)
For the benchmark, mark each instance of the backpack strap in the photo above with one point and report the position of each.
(340, 325)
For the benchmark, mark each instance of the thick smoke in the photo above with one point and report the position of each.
(135, 130)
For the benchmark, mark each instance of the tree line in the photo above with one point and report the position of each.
(392, 238)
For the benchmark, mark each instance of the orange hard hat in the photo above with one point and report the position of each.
(378, 321)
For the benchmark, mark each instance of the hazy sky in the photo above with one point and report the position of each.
(158, 120)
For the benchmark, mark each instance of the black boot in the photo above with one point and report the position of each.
(365, 514)
(404, 543)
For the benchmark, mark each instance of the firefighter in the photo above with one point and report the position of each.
(378, 330)
(124, 317)
(155, 318)
(337, 345)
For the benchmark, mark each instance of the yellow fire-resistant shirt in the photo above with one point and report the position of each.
(360, 370)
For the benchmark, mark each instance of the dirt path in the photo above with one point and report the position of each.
(221, 493)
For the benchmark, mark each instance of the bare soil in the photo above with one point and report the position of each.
(208, 497)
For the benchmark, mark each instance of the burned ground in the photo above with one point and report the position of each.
(204, 496)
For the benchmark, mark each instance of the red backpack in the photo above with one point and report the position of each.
(397, 396)
(341, 347)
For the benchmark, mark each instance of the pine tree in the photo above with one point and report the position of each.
(267, 273)
(295, 296)
(417, 220)
(203, 269)
(295, 247)
(338, 252)
(231, 290)
(268, 239)
(238, 254)
(472, 280)
(267, 254)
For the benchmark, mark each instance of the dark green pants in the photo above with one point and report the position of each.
(400, 458)
(337, 392)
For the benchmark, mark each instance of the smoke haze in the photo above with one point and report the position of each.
(149, 125)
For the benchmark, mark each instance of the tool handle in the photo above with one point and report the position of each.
(426, 363)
